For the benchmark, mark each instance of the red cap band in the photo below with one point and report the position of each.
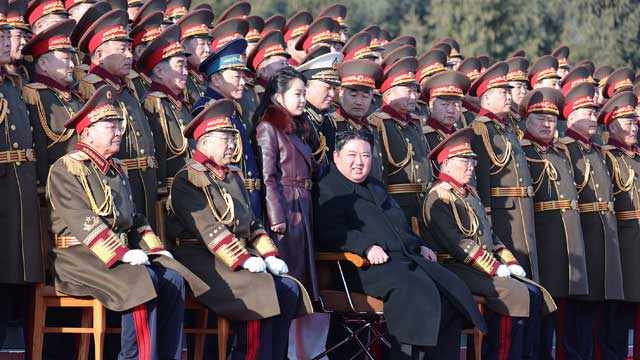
(446, 90)
(576, 104)
(216, 123)
(494, 82)
(359, 53)
(622, 111)
(430, 70)
(358, 80)
(162, 53)
(544, 106)
(99, 113)
(222, 41)
(318, 38)
(194, 30)
(295, 32)
(51, 44)
(406, 77)
(271, 50)
(146, 36)
(45, 8)
(115, 32)
(543, 74)
(453, 151)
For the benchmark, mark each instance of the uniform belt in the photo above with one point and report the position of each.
(141, 163)
(16, 156)
(512, 191)
(188, 242)
(596, 206)
(444, 258)
(305, 184)
(252, 184)
(66, 241)
(169, 182)
(408, 188)
(555, 205)
(628, 215)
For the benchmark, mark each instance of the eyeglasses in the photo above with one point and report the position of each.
(466, 161)
(111, 127)
(227, 139)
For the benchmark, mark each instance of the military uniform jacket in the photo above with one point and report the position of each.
(168, 116)
(245, 157)
(503, 183)
(195, 86)
(467, 246)
(598, 221)
(139, 83)
(50, 107)
(519, 125)
(353, 217)
(21, 256)
(137, 151)
(407, 168)
(624, 167)
(216, 231)
(435, 134)
(248, 105)
(94, 222)
(345, 123)
(560, 246)
(323, 137)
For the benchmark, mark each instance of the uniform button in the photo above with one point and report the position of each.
(130, 197)
(249, 173)
(18, 163)
(484, 247)
(380, 154)
(138, 133)
(246, 157)
(141, 151)
(561, 196)
(104, 181)
(600, 199)
(597, 185)
(210, 235)
(480, 232)
(237, 222)
(8, 111)
(520, 180)
(13, 127)
(421, 194)
(419, 180)
(417, 166)
(123, 182)
(413, 153)
(517, 165)
(1, 95)
(15, 145)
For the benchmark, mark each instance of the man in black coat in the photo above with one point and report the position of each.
(425, 305)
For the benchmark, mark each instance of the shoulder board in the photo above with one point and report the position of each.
(380, 115)
(197, 174)
(444, 192)
(36, 86)
(482, 119)
(561, 146)
(156, 94)
(91, 78)
(567, 140)
(337, 117)
(235, 169)
(415, 116)
(121, 165)
(608, 147)
(421, 102)
(428, 129)
(525, 142)
(132, 74)
(74, 161)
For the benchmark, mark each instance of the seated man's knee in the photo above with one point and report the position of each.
(535, 296)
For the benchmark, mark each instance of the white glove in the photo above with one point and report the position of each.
(135, 257)
(517, 270)
(165, 253)
(276, 266)
(503, 271)
(254, 264)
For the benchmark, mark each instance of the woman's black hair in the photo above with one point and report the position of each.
(278, 84)
(342, 137)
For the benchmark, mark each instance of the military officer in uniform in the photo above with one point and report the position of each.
(407, 170)
(466, 245)
(50, 98)
(109, 44)
(502, 176)
(429, 64)
(105, 248)
(560, 245)
(623, 161)
(268, 56)
(544, 73)
(598, 222)
(165, 62)
(293, 29)
(20, 34)
(221, 240)
(197, 42)
(562, 54)
(621, 79)
(21, 257)
(600, 76)
(41, 14)
(142, 34)
(443, 94)
(517, 77)
(322, 79)
(358, 79)
(225, 70)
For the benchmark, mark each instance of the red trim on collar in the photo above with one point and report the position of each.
(438, 126)
(574, 135)
(361, 122)
(163, 89)
(101, 163)
(492, 116)
(451, 181)
(544, 146)
(394, 114)
(634, 149)
(219, 171)
(52, 83)
(103, 73)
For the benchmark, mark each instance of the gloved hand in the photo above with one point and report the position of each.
(165, 253)
(503, 271)
(254, 264)
(135, 257)
(517, 270)
(276, 266)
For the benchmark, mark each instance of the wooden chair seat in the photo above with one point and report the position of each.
(337, 301)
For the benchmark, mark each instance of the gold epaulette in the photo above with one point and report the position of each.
(428, 129)
(87, 85)
(567, 140)
(128, 80)
(197, 174)
(74, 161)
(481, 119)
(444, 192)
(30, 92)
(80, 71)
(152, 102)
(377, 119)
(525, 142)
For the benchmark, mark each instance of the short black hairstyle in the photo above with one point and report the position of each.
(342, 137)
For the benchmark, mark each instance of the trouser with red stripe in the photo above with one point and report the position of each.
(153, 330)
(266, 339)
(514, 337)
(573, 324)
